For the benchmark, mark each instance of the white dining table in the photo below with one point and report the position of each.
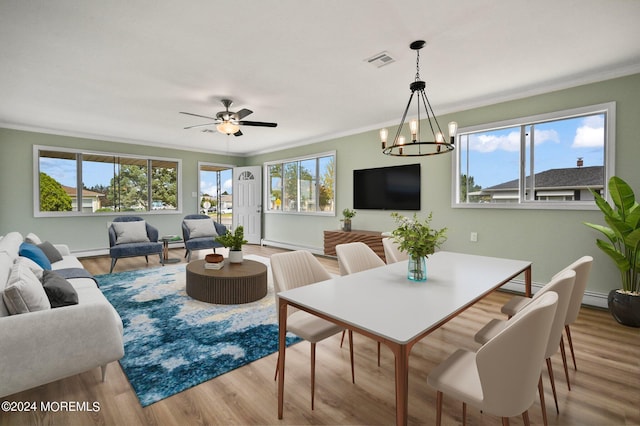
(383, 304)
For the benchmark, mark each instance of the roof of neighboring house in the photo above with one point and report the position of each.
(573, 177)
(71, 191)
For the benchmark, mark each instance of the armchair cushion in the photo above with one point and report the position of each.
(36, 254)
(200, 228)
(24, 292)
(130, 232)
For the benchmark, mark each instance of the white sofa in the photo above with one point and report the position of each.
(47, 345)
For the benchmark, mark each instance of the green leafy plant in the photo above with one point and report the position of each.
(348, 213)
(416, 237)
(233, 240)
(623, 232)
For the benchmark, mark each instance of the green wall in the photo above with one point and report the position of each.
(83, 233)
(549, 238)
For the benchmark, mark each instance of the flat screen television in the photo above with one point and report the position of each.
(387, 188)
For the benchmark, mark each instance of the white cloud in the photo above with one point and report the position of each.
(590, 134)
(490, 143)
(227, 185)
(550, 135)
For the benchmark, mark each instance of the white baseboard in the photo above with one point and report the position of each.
(591, 298)
(288, 246)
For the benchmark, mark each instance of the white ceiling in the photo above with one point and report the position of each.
(122, 69)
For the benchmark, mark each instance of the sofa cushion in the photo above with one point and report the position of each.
(34, 253)
(130, 232)
(24, 292)
(32, 238)
(50, 251)
(10, 244)
(200, 228)
(59, 291)
(35, 268)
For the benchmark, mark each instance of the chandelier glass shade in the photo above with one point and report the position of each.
(415, 146)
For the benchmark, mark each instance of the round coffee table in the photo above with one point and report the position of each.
(234, 283)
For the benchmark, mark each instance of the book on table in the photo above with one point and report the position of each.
(211, 265)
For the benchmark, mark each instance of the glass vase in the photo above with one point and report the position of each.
(417, 270)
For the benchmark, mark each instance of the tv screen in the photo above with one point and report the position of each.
(387, 188)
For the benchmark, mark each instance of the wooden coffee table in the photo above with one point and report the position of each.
(233, 284)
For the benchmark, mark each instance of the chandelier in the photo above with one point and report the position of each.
(416, 146)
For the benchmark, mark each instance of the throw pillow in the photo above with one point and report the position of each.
(24, 292)
(35, 268)
(59, 291)
(130, 232)
(50, 251)
(200, 228)
(34, 253)
(32, 238)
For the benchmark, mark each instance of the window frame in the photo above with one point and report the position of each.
(298, 211)
(609, 110)
(79, 166)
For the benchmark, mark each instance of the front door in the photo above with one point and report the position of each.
(247, 201)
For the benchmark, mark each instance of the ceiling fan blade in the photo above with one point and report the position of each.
(257, 123)
(198, 115)
(201, 125)
(238, 133)
(243, 113)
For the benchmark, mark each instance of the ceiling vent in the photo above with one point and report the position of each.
(381, 59)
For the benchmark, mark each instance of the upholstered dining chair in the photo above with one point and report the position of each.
(500, 378)
(296, 269)
(199, 232)
(356, 257)
(582, 268)
(131, 236)
(562, 284)
(391, 252)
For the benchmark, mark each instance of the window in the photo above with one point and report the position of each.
(301, 185)
(108, 183)
(545, 161)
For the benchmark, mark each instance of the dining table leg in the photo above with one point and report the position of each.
(401, 353)
(282, 347)
(527, 281)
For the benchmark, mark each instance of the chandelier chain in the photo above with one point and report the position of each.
(417, 65)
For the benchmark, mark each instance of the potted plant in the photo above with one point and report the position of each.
(418, 240)
(234, 241)
(623, 246)
(347, 214)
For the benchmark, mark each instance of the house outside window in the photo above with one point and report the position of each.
(109, 183)
(545, 161)
(301, 185)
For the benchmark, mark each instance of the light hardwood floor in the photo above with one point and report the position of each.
(605, 389)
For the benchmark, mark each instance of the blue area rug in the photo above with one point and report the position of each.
(173, 342)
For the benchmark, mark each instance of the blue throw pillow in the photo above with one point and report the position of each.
(36, 254)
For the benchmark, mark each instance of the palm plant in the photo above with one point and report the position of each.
(623, 232)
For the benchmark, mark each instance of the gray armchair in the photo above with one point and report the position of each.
(193, 241)
(129, 239)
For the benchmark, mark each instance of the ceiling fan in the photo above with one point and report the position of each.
(229, 122)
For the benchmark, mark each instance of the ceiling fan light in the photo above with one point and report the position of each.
(227, 128)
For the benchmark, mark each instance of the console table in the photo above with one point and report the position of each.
(371, 238)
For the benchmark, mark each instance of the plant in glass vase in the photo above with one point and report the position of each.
(418, 240)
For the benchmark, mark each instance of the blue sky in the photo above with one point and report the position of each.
(494, 155)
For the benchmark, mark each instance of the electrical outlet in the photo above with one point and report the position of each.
(474, 237)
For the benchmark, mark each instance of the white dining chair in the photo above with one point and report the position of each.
(391, 252)
(500, 378)
(582, 268)
(296, 269)
(562, 284)
(356, 257)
